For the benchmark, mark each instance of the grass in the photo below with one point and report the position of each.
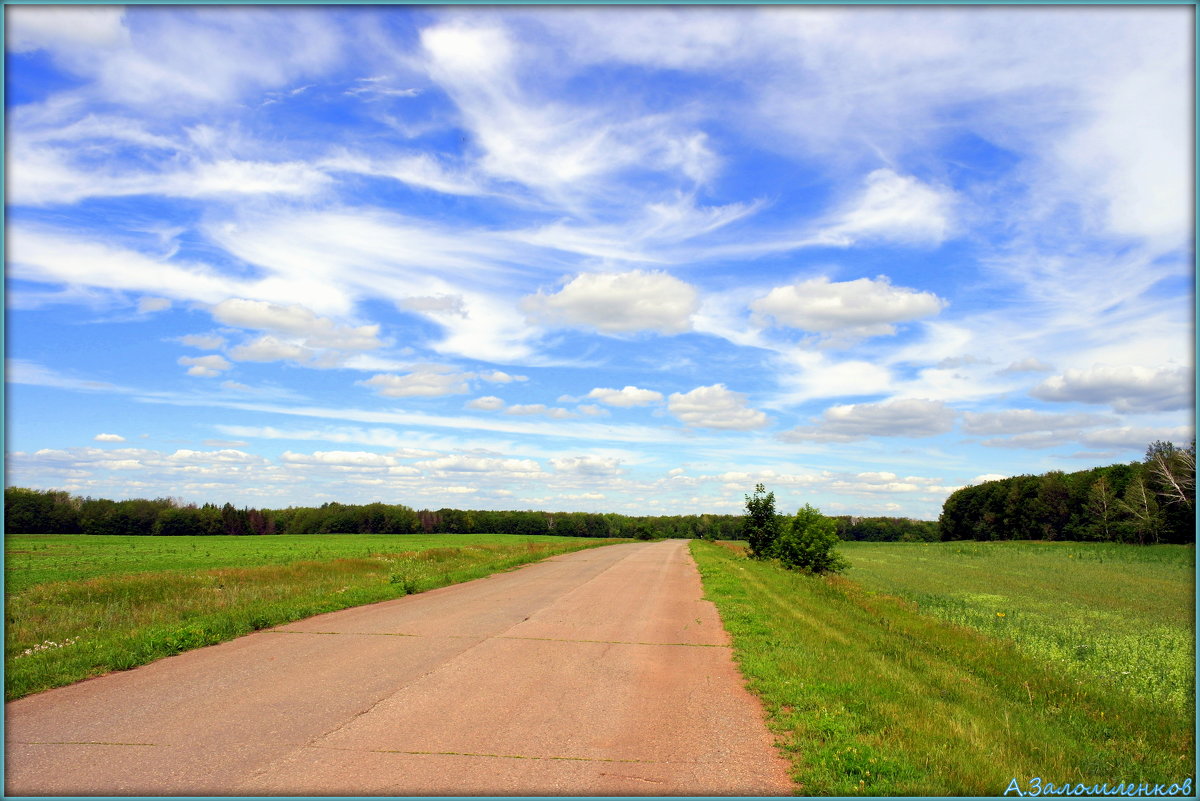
(1117, 614)
(868, 694)
(80, 606)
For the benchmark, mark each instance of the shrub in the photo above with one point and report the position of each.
(808, 542)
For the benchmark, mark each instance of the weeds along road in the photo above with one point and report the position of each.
(600, 672)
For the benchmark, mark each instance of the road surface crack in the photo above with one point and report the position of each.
(76, 742)
(496, 756)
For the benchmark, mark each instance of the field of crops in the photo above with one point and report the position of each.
(78, 606)
(953, 669)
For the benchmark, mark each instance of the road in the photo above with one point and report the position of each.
(600, 672)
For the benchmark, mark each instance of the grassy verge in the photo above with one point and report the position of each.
(61, 631)
(868, 696)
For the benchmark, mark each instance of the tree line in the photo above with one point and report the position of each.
(885, 529)
(31, 511)
(1141, 502)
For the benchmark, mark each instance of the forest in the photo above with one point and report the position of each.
(1145, 502)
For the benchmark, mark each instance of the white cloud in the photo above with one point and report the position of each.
(205, 366)
(894, 418)
(894, 207)
(362, 459)
(810, 374)
(329, 260)
(308, 332)
(482, 464)
(501, 377)
(23, 371)
(223, 456)
(55, 28)
(1137, 437)
(629, 396)
(588, 465)
(61, 257)
(592, 410)
(164, 61)
(108, 438)
(543, 143)
(538, 408)
(862, 307)
(421, 170)
(429, 382)
(488, 403)
(203, 341)
(149, 305)
(44, 174)
(1128, 388)
(1027, 365)
(715, 407)
(1021, 421)
(268, 348)
(618, 303)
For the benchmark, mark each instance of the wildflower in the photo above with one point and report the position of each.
(999, 614)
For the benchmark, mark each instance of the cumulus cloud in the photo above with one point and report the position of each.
(488, 403)
(296, 320)
(429, 382)
(203, 341)
(340, 459)
(715, 407)
(538, 408)
(205, 366)
(860, 308)
(588, 465)
(108, 438)
(629, 396)
(501, 377)
(894, 418)
(268, 348)
(1129, 388)
(616, 303)
(481, 464)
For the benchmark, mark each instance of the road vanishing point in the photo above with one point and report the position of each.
(599, 672)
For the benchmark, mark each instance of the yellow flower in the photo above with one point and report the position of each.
(999, 614)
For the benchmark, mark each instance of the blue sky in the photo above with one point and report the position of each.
(602, 259)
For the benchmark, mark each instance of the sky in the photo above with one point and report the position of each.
(611, 259)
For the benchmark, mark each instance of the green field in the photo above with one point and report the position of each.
(79, 606)
(1119, 614)
(909, 676)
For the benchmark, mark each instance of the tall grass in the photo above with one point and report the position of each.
(868, 695)
(61, 631)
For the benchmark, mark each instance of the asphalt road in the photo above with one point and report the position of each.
(600, 672)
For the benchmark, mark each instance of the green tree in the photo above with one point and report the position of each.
(808, 542)
(1101, 511)
(1145, 517)
(760, 527)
